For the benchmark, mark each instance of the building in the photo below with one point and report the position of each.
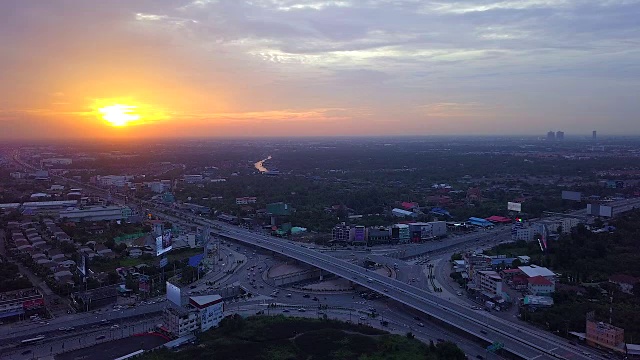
(474, 194)
(56, 161)
(113, 180)
(180, 321)
(20, 304)
(341, 233)
(358, 235)
(625, 282)
(551, 136)
(96, 213)
(193, 179)
(379, 235)
(421, 231)
(533, 271)
(490, 283)
(594, 136)
(604, 335)
(559, 135)
(525, 234)
(95, 298)
(400, 233)
(246, 200)
(540, 286)
(403, 213)
(564, 225)
(210, 310)
(159, 187)
(480, 222)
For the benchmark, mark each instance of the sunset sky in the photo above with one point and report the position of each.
(210, 68)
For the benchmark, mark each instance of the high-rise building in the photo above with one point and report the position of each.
(559, 135)
(594, 136)
(551, 136)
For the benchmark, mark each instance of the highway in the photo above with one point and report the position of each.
(528, 345)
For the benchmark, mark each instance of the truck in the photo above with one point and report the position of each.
(489, 305)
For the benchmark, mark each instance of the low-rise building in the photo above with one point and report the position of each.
(539, 285)
(604, 335)
(490, 282)
(95, 213)
(180, 321)
(21, 304)
(625, 282)
(534, 270)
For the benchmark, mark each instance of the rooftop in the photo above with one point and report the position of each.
(204, 300)
(533, 270)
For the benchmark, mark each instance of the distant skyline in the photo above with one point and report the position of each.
(123, 69)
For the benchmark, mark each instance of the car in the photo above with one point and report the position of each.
(100, 337)
(285, 311)
(385, 290)
(302, 310)
(306, 296)
(116, 326)
(62, 328)
(421, 324)
(363, 318)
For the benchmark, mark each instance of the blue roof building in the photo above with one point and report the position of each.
(480, 222)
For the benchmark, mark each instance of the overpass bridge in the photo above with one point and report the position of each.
(520, 341)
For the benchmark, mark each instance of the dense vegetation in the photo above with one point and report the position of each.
(585, 260)
(283, 338)
(10, 277)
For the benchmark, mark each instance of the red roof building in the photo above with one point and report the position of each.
(498, 219)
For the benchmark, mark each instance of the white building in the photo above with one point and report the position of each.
(113, 180)
(192, 179)
(490, 282)
(159, 186)
(539, 285)
(246, 200)
(96, 213)
(526, 234)
(534, 270)
(210, 310)
(402, 213)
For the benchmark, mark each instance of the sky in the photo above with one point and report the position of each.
(216, 68)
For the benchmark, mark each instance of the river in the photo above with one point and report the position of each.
(260, 165)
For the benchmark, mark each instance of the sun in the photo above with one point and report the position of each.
(119, 115)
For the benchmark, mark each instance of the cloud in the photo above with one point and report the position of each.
(289, 59)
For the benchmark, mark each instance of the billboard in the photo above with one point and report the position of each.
(82, 265)
(514, 206)
(144, 283)
(164, 243)
(173, 294)
(599, 210)
(571, 195)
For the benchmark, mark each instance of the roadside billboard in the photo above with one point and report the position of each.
(571, 195)
(82, 265)
(173, 294)
(164, 243)
(144, 283)
(514, 206)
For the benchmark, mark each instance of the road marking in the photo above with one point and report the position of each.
(535, 357)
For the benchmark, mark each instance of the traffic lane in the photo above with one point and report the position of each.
(305, 252)
(56, 345)
(81, 322)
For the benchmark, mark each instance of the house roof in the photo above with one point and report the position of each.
(533, 270)
(540, 280)
(205, 300)
(499, 219)
(623, 279)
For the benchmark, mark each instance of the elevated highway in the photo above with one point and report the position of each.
(518, 341)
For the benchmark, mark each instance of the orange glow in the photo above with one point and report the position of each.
(119, 115)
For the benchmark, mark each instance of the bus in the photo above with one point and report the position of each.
(32, 340)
